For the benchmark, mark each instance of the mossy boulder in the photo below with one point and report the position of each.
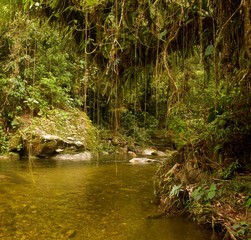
(57, 132)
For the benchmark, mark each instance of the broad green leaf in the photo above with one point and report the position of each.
(197, 194)
(241, 232)
(212, 187)
(211, 195)
(209, 50)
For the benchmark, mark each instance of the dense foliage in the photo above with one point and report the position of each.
(183, 66)
(135, 67)
(126, 59)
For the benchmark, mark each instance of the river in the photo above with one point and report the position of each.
(108, 200)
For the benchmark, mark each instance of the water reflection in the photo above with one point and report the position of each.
(80, 200)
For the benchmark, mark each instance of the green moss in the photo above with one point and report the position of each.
(64, 124)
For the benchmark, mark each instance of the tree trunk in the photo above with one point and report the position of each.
(247, 27)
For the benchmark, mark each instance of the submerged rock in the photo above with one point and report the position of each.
(141, 160)
(131, 153)
(74, 157)
(3, 157)
(160, 154)
(149, 152)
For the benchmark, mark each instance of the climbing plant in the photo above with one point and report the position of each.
(174, 60)
(124, 37)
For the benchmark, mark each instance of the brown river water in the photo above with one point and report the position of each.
(108, 200)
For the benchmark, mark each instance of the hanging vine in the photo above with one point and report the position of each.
(118, 39)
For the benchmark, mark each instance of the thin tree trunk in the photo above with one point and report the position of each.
(247, 27)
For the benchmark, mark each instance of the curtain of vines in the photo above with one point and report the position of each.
(131, 43)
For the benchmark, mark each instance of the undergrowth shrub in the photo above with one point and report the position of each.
(138, 125)
(3, 141)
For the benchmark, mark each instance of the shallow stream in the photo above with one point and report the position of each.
(108, 200)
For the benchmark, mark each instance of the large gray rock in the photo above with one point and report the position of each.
(59, 132)
(43, 144)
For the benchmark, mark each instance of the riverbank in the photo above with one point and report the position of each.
(213, 188)
(61, 132)
(214, 194)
